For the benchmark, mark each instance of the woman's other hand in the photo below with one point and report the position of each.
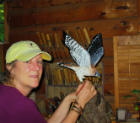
(71, 97)
(86, 93)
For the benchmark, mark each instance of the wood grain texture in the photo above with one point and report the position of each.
(114, 27)
(126, 69)
(73, 13)
(26, 4)
(6, 26)
(138, 14)
(116, 72)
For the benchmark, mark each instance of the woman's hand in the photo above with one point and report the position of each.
(71, 97)
(86, 93)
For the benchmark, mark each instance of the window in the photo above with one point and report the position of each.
(2, 23)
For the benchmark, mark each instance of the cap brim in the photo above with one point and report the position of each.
(30, 54)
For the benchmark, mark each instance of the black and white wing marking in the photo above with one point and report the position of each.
(78, 53)
(95, 49)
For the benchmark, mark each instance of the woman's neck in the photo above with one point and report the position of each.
(25, 92)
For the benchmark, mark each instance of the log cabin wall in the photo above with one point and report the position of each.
(109, 17)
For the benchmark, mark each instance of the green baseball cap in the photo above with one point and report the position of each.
(24, 51)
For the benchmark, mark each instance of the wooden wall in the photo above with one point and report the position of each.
(109, 17)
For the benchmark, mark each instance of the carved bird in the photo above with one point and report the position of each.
(86, 60)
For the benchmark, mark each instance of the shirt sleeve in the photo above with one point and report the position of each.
(25, 111)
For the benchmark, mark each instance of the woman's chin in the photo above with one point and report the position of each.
(34, 84)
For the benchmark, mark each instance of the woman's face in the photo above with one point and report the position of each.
(28, 74)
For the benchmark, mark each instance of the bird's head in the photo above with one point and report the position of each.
(95, 71)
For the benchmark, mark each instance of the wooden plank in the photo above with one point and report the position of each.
(128, 99)
(135, 80)
(134, 47)
(134, 53)
(108, 61)
(125, 86)
(123, 50)
(73, 13)
(123, 40)
(26, 4)
(123, 75)
(138, 12)
(109, 87)
(123, 65)
(135, 66)
(108, 46)
(123, 53)
(123, 81)
(123, 71)
(125, 105)
(109, 75)
(128, 78)
(134, 75)
(6, 26)
(123, 92)
(125, 101)
(109, 69)
(120, 48)
(123, 57)
(116, 86)
(123, 61)
(134, 57)
(134, 60)
(29, 32)
(127, 71)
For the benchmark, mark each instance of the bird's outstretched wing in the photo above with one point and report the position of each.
(95, 49)
(78, 53)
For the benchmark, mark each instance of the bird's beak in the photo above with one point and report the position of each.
(97, 74)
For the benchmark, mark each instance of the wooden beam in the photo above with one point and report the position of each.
(6, 26)
(138, 12)
(85, 11)
(108, 28)
(26, 4)
(116, 86)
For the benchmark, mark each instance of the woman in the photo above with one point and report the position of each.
(23, 73)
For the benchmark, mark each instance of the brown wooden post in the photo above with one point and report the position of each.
(116, 72)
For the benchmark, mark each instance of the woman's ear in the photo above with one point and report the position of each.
(9, 67)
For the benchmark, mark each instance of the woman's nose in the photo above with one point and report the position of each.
(36, 66)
